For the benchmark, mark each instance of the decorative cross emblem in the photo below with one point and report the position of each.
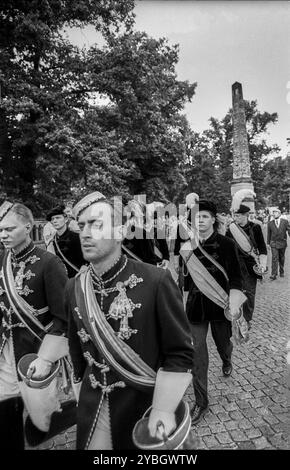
(122, 309)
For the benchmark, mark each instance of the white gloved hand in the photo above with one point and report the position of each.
(263, 261)
(41, 368)
(164, 264)
(168, 420)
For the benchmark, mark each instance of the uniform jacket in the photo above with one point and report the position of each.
(200, 308)
(254, 232)
(43, 288)
(161, 336)
(69, 244)
(277, 237)
(141, 245)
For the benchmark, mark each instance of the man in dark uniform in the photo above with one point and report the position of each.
(129, 337)
(214, 260)
(141, 244)
(66, 243)
(257, 246)
(32, 316)
(277, 240)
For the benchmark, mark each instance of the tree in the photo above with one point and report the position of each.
(42, 79)
(137, 74)
(276, 183)
(63, 141)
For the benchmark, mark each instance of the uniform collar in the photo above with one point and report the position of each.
(24, 253)
(63, 235)
(112, 271)
(208, 240)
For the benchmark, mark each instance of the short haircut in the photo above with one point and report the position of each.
(23, 213)
(117, 210)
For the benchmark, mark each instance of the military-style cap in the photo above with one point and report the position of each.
(209, 206)
(242, 209)
(5, 208)
(58, 210)
(86, 202)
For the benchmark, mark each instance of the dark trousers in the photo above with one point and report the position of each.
(250, 285)
(221, 332)
(11, 424)
(278, 258)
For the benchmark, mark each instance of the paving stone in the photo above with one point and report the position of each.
(261, 443)
(224, 438)
(238, 436)
(267, 430)
(253, 433)
(203, 431)
(210, 441)
(217, 428)
(224, 416)
(243, 404)
(245, 424)
(237, 415)
(217, 409)
(247, 445)
(230, 425)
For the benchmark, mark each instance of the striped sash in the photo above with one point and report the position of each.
(243, 241)
(202, 278)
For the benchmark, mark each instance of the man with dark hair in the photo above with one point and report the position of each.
(140, 243)
(215, 285)
(277, 240)
(32, 317)
(252, 250)
(66, 243)
(129, 337)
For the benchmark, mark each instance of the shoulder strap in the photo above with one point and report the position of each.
(130, 253)
(63, 257)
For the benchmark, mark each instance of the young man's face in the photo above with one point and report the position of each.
(97, 234)
(13, 231)
(204, 221)
(276, 214)
(58, 221)
(241, 219)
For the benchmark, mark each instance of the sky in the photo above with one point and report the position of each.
(222, 42)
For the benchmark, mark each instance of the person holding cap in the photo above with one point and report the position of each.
(277, 240)
(252, 234)
(129, 337)
(215, 284)
(32, 319)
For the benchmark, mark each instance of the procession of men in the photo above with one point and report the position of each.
(135, 336)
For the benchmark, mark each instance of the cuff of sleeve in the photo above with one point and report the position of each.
(53, 348)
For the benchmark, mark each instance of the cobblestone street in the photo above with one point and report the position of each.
(248, 410)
